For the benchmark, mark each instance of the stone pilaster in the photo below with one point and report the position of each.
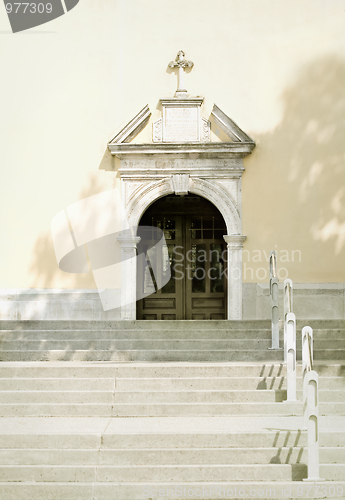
(235, 246)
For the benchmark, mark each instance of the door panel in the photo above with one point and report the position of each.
(166, 303)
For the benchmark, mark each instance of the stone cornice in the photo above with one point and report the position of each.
(152, 167)
(184, 150)
(155, 174)
(181, 102)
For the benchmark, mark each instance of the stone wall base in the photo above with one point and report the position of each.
(311, 300)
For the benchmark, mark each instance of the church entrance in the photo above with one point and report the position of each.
(193, 229)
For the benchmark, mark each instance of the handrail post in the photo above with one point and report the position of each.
(307, 351)
(274, 293)
(313, 427)
(291, 356)
(288, 308)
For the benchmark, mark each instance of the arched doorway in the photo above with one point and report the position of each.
(194, 230)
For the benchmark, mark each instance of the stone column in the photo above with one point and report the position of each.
(235, 246)
(128, 276)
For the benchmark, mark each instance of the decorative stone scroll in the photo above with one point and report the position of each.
(157, 131)
(205, 133)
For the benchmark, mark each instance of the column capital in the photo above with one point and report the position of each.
(235, 240)
(128, 241)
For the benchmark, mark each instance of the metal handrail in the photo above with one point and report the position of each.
(289, 298)
(273, 258)
(274, 293)
(310, 362)
(311, 404)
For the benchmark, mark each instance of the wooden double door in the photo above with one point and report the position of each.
(195, 253)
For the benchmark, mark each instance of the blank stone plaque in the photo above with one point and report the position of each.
(181, 124)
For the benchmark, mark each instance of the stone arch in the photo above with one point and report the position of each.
(152, 191)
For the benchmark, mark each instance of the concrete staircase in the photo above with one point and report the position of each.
(126, 431)
(189, 341)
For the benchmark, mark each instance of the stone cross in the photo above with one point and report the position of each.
(180, 63)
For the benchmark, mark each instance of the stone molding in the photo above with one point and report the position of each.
(128, 242)
(175, 102)
(161, 167)
(216, 150)
(152, 191)
(235, 241)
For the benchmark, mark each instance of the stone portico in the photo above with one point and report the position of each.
(182, 159)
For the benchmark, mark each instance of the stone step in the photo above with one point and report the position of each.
(56, 410)
(142, 384)
(327, 396)
(325, 354)
(200, 383)
(326, 344)
(332, 455)
(161, 334)
(57, 384)
(215, 396)
(205, 409)
(17, 325)
(56, 397)
(134, 370)
(255, 490)
(140, 325)
(167, 456)
(151, 370)
(171, 395)
(224, 383)
(333, 472)
(111, 335)
(138, 345)
(221, 355)
(149, 456)
(140, 397)
(200, 344)
(175, 473)
(318, 324)
(267, 439)
(157, 409)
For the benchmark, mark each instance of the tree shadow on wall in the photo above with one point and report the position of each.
(44, 268)
(299, 168)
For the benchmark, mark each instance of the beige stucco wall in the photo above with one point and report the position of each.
(276, 67)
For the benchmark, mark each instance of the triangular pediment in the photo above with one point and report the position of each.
(228, 126)
(140, 120)
(133, 127)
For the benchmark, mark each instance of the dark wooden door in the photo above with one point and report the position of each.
(196, 252)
